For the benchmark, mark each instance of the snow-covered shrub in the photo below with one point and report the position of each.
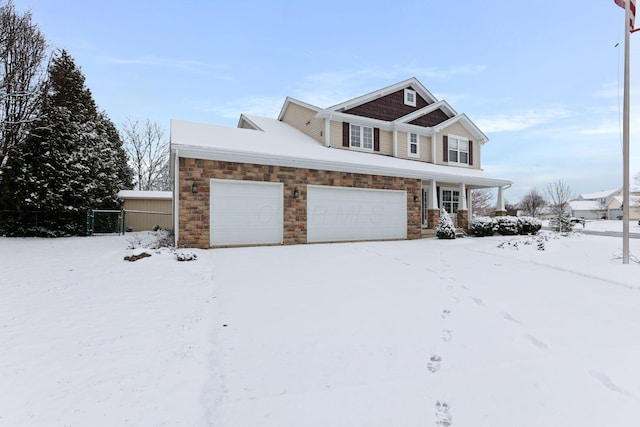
(186, 256)
(151, 239)
(561, 223)
(508, 225)
(483, 226)
(445, 228)
(529, 225)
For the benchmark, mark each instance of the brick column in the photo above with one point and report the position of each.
(501, 213)
(463, 219)
(433, 215)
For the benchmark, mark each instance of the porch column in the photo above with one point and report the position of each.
(500, 209)
(463, 211)
(433, 212)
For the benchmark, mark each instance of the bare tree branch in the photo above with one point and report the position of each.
(22, 77)
(481, 202)
(559, 195)
(533, 203)
(148, 152)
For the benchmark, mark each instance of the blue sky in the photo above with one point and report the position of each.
(542, 79)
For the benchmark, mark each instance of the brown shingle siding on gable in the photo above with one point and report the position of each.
(387, 108)
(432, 119)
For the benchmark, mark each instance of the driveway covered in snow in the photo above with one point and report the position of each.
(525, 331)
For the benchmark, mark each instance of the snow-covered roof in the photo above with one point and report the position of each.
(281, 144)
(137, 194)
(585, 205)
(599, 194)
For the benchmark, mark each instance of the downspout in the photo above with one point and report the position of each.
(176, 197)
(327, 131)
(433, 148)
(395, 142)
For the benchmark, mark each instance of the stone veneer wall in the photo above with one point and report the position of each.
(193, 208)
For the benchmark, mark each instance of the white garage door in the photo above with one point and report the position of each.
(245, 212)
(345, 214)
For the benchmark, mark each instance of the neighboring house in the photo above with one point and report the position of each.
(146, 210)
(615, 207)
(376, 167)
(587, 209)
(606, 205)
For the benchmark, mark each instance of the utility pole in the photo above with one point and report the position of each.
(629, 18)
(625, 135)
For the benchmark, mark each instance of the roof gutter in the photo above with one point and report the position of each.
(210, 153)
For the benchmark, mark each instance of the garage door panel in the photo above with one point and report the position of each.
(349, 214)
(246, 212)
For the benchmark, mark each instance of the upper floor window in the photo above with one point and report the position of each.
(458, 150)
(413, 147)
(361, 137)
(410, 97)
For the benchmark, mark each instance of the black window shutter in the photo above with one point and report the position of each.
(470, 153)
(376, 139)
(445, 145)
(345, 134)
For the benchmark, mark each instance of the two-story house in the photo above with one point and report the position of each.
(376, 167)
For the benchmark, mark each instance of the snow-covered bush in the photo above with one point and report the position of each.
(445, 228)
(185, 256)
(508, 225)
(561, 223)
(529, 225)
(483, 226)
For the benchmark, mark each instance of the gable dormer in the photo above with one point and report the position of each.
(403, 120)
(393, 102)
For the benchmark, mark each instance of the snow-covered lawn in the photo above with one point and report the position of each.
(608, 225)
(470, 332)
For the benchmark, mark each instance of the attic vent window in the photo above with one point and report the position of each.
(410, 97)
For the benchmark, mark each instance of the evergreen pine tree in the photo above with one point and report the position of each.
(73, 159)
(444, 227)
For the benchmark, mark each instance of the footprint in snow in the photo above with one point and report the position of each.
(443, 417)
(445, 313)
(478, 301)
(537, 342)
(434, 363)
(510, 318)
(606, 381)
(447, 335)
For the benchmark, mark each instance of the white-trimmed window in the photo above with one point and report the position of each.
(449, 199)
(458, 150)
(361, 137)
(410, 97)
(413, 145)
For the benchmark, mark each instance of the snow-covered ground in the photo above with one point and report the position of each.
(471, 332)
(608, 225)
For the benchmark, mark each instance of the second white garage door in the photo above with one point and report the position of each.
(245, 212)
(337, 214)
